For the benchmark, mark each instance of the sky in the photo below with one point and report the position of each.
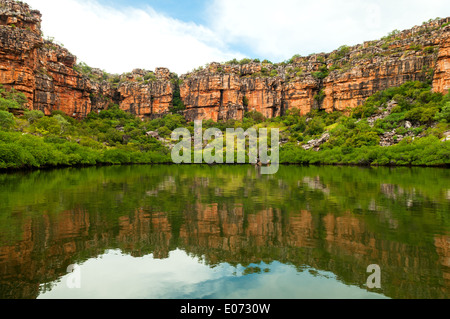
(121, 35)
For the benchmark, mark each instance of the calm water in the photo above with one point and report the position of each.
(224, 232)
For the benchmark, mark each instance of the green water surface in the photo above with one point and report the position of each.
(225, 232)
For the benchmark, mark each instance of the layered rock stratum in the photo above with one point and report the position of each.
(49, 76)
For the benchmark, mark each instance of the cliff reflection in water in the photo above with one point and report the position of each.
(332, 219)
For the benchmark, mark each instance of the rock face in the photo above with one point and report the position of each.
(225, 92)
(46, 73)
(412, 55)
(50, 78)
(441, 81)
(338, 81)
(146, 98)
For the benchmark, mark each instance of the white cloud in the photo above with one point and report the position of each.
(280, 29)
(121, 40)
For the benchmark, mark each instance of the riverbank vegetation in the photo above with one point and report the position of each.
(407, 125)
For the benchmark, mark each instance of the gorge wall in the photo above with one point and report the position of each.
(342, 79)
(48, 75)
(50, 78)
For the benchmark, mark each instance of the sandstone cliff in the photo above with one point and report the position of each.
(47, 73)
(339, 80)
(50, 78)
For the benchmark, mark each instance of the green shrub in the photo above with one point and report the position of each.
(340, 53)
(315, 127)
(421, 114)
(444, 114)
(11, 99)
(113, 136)
(12, 155)
(245, 101)
(178, 104)
(6, 120)
(164, 131)
(429, 50)
(335, 67)
(401, 131)
(173, 121)
(364, 111)
(322, 73)
(6, 104)
(294, 57)
(415, 47)
(56, 125)
(115, 113)
(319, 97)
(116, 156)
(33, 116)
(257, 117)
(245, 61)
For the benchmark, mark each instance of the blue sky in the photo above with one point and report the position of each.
(119, 35)
(189, 11)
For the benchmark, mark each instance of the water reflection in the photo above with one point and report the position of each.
(180, 276)
(225, 232)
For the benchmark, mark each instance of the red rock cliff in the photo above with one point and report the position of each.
(48, 75)
(342, 79)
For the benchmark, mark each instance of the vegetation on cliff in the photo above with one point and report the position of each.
(111, 137)
(407, 125)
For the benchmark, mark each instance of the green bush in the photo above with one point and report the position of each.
(315, 127)
(341, 52)
(11, 99)
(33, 116)
(319, 97)
(113, 136)
(116, 156)
(245, 61)
(321, 74)
(12, 156)
(257, 117)
(444, 114)
(6, 104)
(48, 125)
(164, 131)
(173, 122)
(115, 113)
(178, 104)
(363, 139)
(421, 114)
(6, 120)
